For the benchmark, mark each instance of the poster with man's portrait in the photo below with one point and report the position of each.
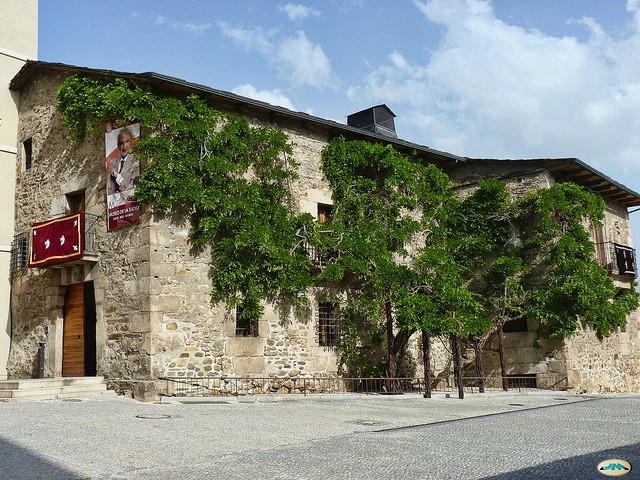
(123, 174)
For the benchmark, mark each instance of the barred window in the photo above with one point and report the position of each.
(244, 326)
(328, 327)
(19, 252)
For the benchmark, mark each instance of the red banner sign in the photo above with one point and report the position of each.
(57, 241)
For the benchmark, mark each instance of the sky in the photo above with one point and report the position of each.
(476, 78)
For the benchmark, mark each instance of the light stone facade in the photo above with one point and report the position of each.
(582, 362)
(151, 290)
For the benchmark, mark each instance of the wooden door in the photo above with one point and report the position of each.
(73, 332)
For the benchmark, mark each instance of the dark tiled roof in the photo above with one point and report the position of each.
(237, 103)
(575, 170)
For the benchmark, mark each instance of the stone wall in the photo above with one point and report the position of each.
(605, 365)
(152, 291)
(120, 282)
(153, 313)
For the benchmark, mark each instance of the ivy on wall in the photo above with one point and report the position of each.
(409, 254)
(230, 180)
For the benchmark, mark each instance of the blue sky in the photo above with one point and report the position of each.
(477, 78)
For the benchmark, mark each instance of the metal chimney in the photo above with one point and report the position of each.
(378, 119)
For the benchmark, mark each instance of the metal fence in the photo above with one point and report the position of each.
(240, 386)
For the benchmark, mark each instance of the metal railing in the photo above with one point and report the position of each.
(90, 224)
(20, 243)
(320, 257)
(241, 386)
(617, 259)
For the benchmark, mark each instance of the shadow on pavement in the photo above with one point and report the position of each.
(577, 468)
(17, 462)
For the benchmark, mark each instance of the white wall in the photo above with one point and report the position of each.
(18, 42)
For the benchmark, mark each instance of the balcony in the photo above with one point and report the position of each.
(22, 249)
(617, 259)
(319, 257)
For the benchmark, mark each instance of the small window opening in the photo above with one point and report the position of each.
(324, 213)
(516, 325)
(27, 149)
(76, 201)
(244, 326)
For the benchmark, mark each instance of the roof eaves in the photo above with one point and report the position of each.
(19, 81)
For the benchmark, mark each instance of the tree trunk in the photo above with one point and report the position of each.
(426, 360)
(457, 364)
(503, 366)
(477, 347)
(392, 382)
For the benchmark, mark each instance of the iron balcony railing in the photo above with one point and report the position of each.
(20, 244)
(616, 258)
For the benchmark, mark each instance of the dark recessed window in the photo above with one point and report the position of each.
(245, 327)
(324, 212)
(516, 325)
(27, 150)
(75, 201)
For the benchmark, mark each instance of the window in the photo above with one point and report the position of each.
(324, 212)
(601, 248)
(19, 252)
(27, 150)
(75, 201)
(245, 327)
(625, 259)
(328, 332)
(516, 325)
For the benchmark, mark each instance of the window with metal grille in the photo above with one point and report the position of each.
(19, 252)
(523, 381)
(244, 326)
(328, 327)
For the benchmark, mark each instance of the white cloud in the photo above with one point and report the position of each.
(273, 97)
(255, 39)
(184, 27)
(304, 63)
(298, 61)
(499, 90)
(298, 12)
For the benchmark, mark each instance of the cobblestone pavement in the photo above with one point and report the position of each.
(541, 435)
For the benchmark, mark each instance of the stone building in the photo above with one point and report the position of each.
(134, 306)
(583, 361)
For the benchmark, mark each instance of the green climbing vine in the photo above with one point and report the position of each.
(409, 255)
(231, 181)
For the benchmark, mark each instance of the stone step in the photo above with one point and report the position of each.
(52, 393)
(52, 388)
(37, 383)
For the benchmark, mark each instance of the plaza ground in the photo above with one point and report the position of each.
(526, 435)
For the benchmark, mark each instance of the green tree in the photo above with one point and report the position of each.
(386, 208)
(488, 249)
(229, 179)
(568, 286)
